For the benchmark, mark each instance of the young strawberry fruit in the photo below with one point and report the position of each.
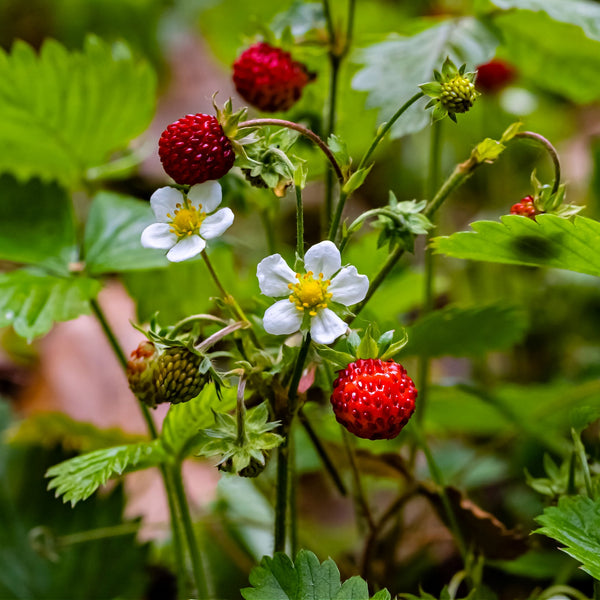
(195, 149)
(373, 399)
(525, 208)
(158, 375)
(268, 77)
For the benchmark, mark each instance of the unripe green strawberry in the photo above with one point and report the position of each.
(255, 468)
(458, 94)
(177, 376)
(157, 374)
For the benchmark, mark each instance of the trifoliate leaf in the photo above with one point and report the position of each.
(575, 522)
(37, 225)
(455, 331)
(112, 236)
(393, 70)
(78, 478)
(279, 578)
(550, 241)
(32, 302)
(65, 112)
(183, 424)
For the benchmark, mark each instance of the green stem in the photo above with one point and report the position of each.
(322, 452)
(424, 362)
(311, 135)
(579, 448)
(293, 476)
(184, 323)
(167, 480)
(385, 127)
(437, 477)
(269, 230)
(299, 222)
(360, 497)
(540, 139)
(283, 457)
(596, 590)
(188, 530)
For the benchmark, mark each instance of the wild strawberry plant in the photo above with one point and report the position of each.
(260, 343)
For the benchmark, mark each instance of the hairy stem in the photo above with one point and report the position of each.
(311, 135)
(540, 139)
(299, 222)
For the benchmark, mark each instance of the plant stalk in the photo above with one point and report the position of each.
(299, 222)
(540, 139)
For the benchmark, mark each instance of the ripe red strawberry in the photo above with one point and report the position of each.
(195, 149)
(268, 77)
(525, 208)
(373, 399)
(494, 75)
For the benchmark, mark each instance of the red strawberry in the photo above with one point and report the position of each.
(268, 78)
(195, 149)
(525, 208)
(373, 399)
(494, 75)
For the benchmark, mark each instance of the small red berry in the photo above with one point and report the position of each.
(195, 149)
(525, 208)
(373, 399)
(268, 77)
(494, 75)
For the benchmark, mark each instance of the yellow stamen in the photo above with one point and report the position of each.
(310, 293)
(187, 220)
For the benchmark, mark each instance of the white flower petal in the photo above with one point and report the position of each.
(214, 225)
(282, 318)
(208, 194)
(274, 275)
(348, 287)
(323, 257)
(326, 327)
(163, 201)
(158, 235)
(186, 248)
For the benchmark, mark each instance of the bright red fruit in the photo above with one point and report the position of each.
(195, 149)
(494, 75)
(373, 399)
(268, 77)
(525, 208)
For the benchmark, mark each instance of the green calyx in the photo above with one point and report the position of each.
(452, 92)
(242, 450)
(546, 200)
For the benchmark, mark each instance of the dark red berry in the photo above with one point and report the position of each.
(494, 76)
(195, 149)
(373, 399)
(525, 208)
(268, 77)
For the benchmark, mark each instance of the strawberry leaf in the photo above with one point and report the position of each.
(455, 331)
(37, 224)
(575, 522)
(32, 302)
(279, 578)
(112, 236)
(550, 241)
(78, 478)
(393, 70)
(65, 112)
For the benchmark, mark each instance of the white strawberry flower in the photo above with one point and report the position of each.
(310, 294)
(186, 221)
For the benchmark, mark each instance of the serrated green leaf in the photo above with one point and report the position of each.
(112, 236)
(64, 112)
(575, 522)
(556, 56)
(279, 578)
(583, 13)
(33, 302)
(78, 478)
(382, 595)
(183, 423)
(393, 70)
(550, 241)
(455, 331)
(37, 225)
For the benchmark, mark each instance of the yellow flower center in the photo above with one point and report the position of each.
(310, 293)
(186, 220)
